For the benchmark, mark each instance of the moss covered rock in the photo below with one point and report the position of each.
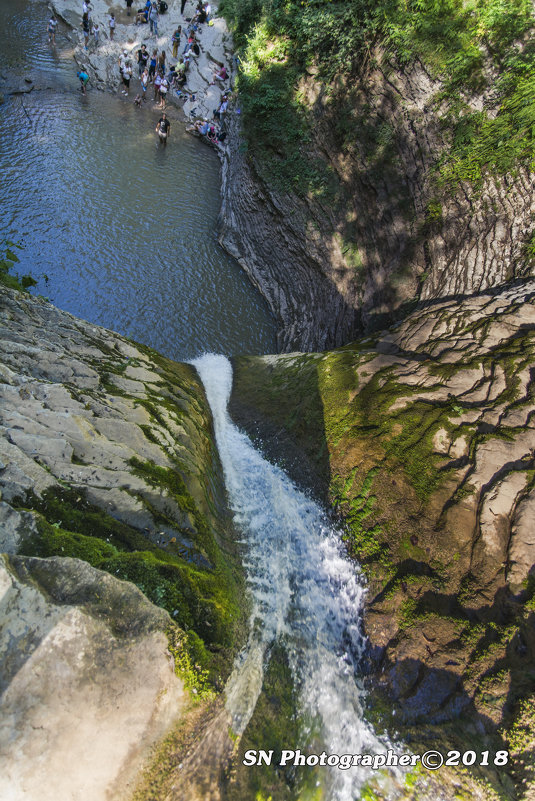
(107, 455)
(422, 438)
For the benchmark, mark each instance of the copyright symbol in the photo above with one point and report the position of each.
(432, 760)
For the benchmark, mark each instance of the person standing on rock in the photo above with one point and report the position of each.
(152, 65)
(163, 128)
(129, 7)
(122, 62)
(153, 19)
(85, 29)
(182, 7)
(51, 29)
(127, 74)
(111, 23)
(176, 40)
(96, 33)
(142, 59)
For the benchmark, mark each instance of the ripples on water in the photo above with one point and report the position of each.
(124, 229)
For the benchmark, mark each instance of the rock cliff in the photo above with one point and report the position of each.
(87, 684)
(406, 172)
(109, 478)
(422, 438)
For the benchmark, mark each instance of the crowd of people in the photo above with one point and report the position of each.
(154, 70)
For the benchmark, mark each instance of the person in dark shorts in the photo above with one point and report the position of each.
(142, 59)
(51, 29)
(129, 6)
(163, 128)
(152, 65)
(126, 75)
(85, 29)
(84, 79)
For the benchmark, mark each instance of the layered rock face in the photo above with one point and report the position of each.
(423, 439)
(108, 471)
(330, 265)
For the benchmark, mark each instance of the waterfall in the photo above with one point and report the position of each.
(303, 588)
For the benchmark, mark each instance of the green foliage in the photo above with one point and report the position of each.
(529, 247)
(273, 112)
(8, 258)
(461, 42)
(191, 659)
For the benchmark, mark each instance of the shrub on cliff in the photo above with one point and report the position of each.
(8, 258)
(474, 48)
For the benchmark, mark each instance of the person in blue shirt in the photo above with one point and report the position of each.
(84, 79)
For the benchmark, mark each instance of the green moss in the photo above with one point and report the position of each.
(171, 480)
(280, 43)
(55, 540)
(365, 541)
(70, 509)
(203, 601)
(192, 661)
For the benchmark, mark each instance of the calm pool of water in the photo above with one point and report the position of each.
(124, 229)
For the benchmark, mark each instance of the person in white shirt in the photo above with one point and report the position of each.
(111, 23)
(127, 74)
(164, 86)
(51, 29)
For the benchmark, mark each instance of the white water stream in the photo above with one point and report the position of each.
(303, 588)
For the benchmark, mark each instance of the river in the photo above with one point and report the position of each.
(115, 228)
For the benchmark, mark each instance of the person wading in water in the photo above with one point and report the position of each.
(163, 128)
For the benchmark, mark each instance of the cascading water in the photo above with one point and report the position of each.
(303, 588)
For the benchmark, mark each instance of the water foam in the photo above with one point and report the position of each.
(303, 587)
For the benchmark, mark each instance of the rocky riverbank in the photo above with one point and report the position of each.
(101, 61)
(422, 439)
